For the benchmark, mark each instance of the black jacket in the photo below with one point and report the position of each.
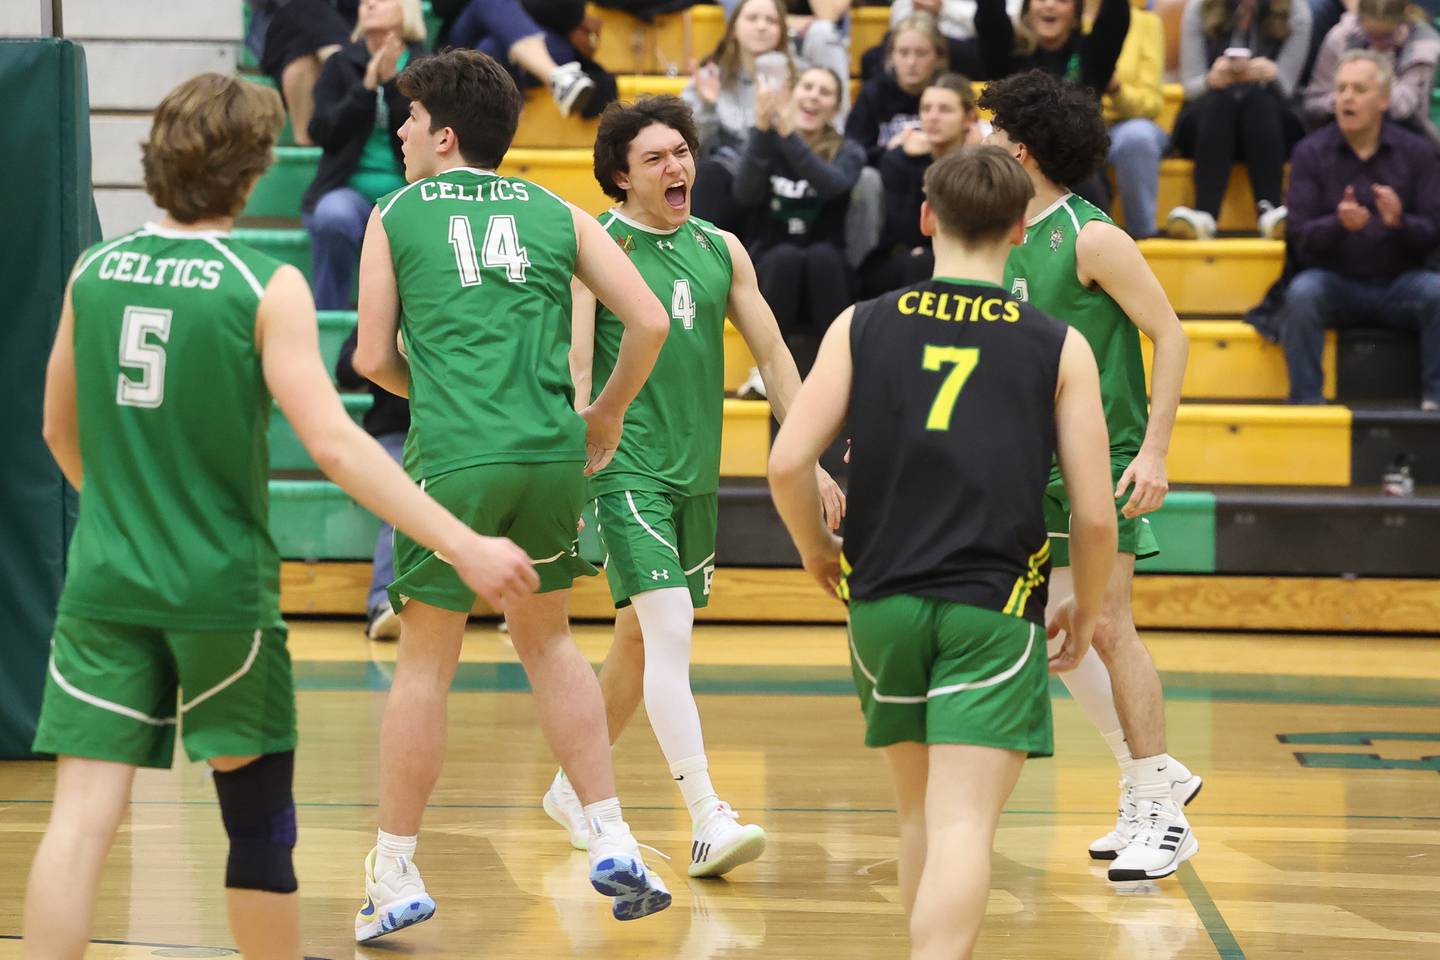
(904, 180)
(389, 414)
(345, 115)
(1087, 58)
(792, 194)
(881, 110)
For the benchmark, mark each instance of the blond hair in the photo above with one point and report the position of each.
(413, 25)
(927, 26)
(209, 142)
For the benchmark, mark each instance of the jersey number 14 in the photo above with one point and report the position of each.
(501, 249)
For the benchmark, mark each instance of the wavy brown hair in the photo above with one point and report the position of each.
(1223, 17)
(209, 142)
(726, 54)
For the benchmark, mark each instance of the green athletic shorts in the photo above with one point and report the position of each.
(654, 540)
(537, 505)
(1136, 535)
(934, 671)
(113, 690)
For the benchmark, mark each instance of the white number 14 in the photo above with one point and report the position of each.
(501, 249)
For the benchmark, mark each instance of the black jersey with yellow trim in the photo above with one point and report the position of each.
(952, 419)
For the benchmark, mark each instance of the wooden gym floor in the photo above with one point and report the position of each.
(1319, 825)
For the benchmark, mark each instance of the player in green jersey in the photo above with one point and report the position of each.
(958, 398)
(475, 270)
(656, 500)
(1079, 267)
(171, 342)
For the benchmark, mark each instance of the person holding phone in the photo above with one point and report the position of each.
(1240, 61)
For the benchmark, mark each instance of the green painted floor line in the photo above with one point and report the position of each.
(358, 675)
(1225, 943)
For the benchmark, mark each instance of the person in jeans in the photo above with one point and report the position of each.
(1240, 61)
(357, 110)
(1132, 101)
(1364, 219)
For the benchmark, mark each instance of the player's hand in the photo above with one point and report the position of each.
(832, 499)
(824, 565)
(1352, 215)
(496, 569)
(1079, 631)
(1147, 473)
(1388, 205)
(602, 438)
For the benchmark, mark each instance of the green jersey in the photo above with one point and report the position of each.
(483, 266)
(1042, 272)
(671, 442)
(173, 412)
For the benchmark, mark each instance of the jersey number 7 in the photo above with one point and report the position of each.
(965, 359)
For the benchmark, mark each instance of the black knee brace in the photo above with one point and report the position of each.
(258, 808)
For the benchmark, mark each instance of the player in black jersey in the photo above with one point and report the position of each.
(957, 396)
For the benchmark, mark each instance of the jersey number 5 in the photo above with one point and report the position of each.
(965, 360)
(137, 351)
(501, 251)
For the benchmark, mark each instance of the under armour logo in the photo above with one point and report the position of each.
(659, 574)
(665, 244)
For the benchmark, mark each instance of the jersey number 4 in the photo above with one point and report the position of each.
(139, 353)
(682, 303)
(501, 250)
(963, 360)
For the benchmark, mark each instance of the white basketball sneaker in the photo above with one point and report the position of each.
(1162, 842)
(563, 806)
(721, 843)
(1184, 787)
(392, 902)
(617, 870)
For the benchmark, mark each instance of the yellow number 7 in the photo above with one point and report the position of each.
(965, 360)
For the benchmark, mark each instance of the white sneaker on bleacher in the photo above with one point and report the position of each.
(571, 88)
(1185, 223)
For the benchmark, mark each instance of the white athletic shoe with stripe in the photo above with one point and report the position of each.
(721, 843)
(1161, 843)
(392, 902)
(1184, 787)
(563, 806)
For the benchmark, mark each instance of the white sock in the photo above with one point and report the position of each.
(603, 814)
(1151, 776)
(1089, 685)
(693, 776)
(667, 619)
(389, 848)
(1115, 739)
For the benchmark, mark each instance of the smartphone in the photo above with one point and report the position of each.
(1237, 53)
(772, 70)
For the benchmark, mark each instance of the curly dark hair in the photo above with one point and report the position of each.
(1057, 121)
(621, 123)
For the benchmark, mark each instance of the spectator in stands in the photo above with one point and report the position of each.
(795, 179)
(300, 36)
(388, 421)
(1133, 100)
(1396, 30)
(357, 111)
(948, 121)
(1049, 35)
(1240, 61)
(1364, 220)
(722, 94)
(889, 104)
(956, 20)
(535, 37)
(820, 37)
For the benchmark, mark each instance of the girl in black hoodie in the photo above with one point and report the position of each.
(890, 103)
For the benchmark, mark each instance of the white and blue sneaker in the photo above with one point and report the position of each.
(392, 902)
(617, 870)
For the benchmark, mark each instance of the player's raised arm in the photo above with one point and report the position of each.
(603, 267)
(817, 415)
(290, 352)
(582, 342)
(62, 422)
(1083, 448)
(377, 354)
(1105, 255)
(752, 316)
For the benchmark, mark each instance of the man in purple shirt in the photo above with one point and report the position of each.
(1364, 218)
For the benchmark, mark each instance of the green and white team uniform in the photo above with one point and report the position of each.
(1042, 272)
(483, 266)
(656, 501)
(170, 614)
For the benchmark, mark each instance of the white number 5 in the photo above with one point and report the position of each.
(137, 351)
